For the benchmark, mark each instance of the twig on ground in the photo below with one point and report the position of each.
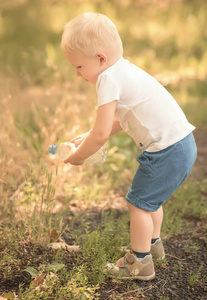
(112, 290)
(143, 290)
(175, 257)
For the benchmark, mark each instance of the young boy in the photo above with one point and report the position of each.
(132, 100)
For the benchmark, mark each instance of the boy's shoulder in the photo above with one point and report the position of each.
(120, 63)
(121, 66)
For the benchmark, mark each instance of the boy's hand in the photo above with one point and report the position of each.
(90, 142)
(76, 142)
(79, 139)
(72, 158)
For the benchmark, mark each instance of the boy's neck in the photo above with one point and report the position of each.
(112, 61)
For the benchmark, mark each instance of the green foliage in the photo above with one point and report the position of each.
(32, 271)
(41, 103)
(30, 128)
(171, 35)
(79, 287)
(104, 244)
(196, 277)
(191, 247)
(39, 202)
(189, 201)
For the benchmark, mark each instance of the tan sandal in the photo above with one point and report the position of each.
(129, 267)
(157, 250)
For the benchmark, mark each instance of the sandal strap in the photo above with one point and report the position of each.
(124, 261)
(130, 257)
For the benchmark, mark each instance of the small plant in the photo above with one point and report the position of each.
(179, 267)
(165, 298)
(36, 201)
(78, 287)
(161, 263)
(94, 255)
(191, 247)
(195, 277)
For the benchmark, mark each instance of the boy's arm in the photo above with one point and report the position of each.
(80, 138)
(116, 127)
(104, 126)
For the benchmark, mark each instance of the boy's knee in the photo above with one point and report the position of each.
(133, 208)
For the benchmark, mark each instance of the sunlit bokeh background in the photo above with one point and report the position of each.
(42, 101)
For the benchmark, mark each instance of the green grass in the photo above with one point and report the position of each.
(187, 203)
(42, 103)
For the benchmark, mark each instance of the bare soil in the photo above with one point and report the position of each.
(183, 276)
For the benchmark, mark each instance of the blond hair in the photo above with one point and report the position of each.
(91, 33)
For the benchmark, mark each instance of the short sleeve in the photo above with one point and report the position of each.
(107, 90)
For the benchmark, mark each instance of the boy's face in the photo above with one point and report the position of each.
(88, 68)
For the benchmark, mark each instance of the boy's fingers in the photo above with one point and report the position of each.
(70, 145)
(75, 140)
(66, 161)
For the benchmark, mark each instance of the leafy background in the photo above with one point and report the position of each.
(42, 102)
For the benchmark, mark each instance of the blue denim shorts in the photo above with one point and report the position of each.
(161, 173)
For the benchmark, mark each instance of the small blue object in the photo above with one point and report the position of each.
(52, 149)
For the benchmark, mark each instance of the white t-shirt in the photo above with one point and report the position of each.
(145, 109)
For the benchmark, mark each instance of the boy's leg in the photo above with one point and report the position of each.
(157, 218)
(157, 248)
(137, 264)
(145, 226)
(141, 228)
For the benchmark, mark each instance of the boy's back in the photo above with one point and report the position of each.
(145, 109)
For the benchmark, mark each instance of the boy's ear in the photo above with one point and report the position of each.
(102, 58)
